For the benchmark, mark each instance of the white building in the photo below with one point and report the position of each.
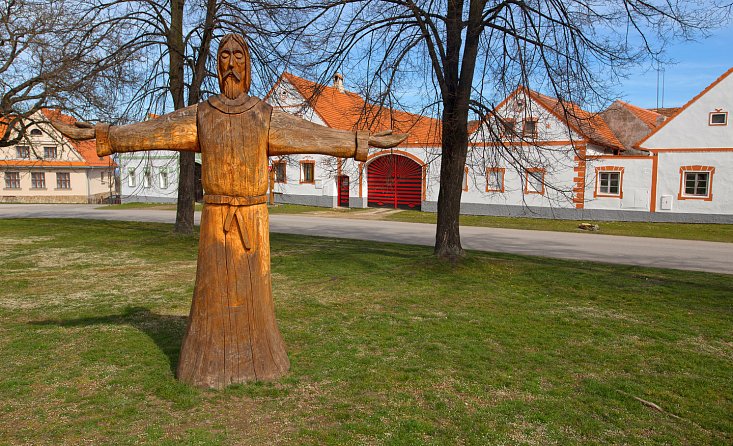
(541, 158)
(46, 167)
(693, 158)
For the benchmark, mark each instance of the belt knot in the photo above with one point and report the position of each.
(235, 204)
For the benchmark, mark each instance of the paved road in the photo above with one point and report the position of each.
(662, 253)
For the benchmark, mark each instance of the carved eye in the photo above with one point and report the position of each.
(239, 55)
(225, 55)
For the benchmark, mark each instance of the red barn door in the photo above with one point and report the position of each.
(394, 181)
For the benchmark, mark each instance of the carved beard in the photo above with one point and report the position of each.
(232, 87)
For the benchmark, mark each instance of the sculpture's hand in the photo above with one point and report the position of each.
(78, 130)
(386, 139)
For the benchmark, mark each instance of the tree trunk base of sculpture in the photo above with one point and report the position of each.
(232, 335)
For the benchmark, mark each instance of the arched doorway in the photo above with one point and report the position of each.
(394, 181)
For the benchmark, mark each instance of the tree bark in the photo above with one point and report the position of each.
(186, 192)
(452, 165)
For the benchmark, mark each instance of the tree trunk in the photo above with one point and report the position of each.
(452, 168)
(186, 160)
(186, 193)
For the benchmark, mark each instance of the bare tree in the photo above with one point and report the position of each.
(54, 53)
(462, 56)
(175, 39)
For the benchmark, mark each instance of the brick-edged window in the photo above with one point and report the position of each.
(495, 179)
(63, 180)
(465, 179)
(609, 182)
(308, 171)
(507, 127)
(718, 118)
(38, 180)
(50, 152)
(23, 152)
(696, 183)
(529, 128)
(12, 180)
(534, 182)
(281, 169)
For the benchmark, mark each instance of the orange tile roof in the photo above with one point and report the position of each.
(589, 125)
(87, 149)
(348, 111)
(648, 117)
(667, 112)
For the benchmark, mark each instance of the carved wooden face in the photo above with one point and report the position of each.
(233, 67)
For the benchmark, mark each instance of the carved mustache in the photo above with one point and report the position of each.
(233, 73)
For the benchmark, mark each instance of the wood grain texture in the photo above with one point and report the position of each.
(232, 335)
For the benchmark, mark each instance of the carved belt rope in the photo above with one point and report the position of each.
(235, 204)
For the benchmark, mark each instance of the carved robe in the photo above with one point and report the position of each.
(232, 336)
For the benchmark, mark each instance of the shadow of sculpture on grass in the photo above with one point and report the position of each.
(166, 331)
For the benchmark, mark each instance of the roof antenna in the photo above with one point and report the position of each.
(657, 85)
(663, 70)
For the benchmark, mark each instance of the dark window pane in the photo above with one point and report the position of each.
(718, 118)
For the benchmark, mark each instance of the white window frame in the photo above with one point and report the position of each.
(529, 186)
(15, 179)
(34, 180)
(47, 149)
(147, 178)
(725, 118)
(163, 178)
(609, 180)
(58, 180)
(311, 163)
(131, 177)
(499, 172)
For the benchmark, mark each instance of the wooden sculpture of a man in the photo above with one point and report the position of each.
(232, 336)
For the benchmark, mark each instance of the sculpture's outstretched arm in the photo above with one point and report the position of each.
(291, 135)
(174, 131)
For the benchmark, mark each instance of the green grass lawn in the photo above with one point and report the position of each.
(388, 346)
(141, 205)
(687, 231)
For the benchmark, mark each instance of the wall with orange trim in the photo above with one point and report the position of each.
(690, 127)
(636, 183)
(669, 179)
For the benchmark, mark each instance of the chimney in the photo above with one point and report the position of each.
(338, 82)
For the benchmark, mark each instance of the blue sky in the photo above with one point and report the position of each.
(697, 65)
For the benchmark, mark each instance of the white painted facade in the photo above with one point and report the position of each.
(150, 176)
(635, 177)
(571, 162)
(692, 144)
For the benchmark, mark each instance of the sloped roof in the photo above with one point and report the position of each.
(667, 111)
(589, 125)
(649, 117)
(684, 107)
(87, 149)
(348, 111)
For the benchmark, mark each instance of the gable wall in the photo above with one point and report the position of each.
(691, 129)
